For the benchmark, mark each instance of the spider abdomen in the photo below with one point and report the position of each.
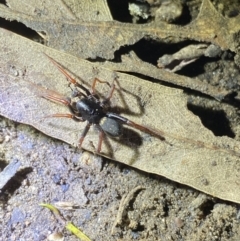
(111, 127)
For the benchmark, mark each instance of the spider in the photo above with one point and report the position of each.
(87, 106)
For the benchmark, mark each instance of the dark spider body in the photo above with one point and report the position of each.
(90, 110)
(86, 106)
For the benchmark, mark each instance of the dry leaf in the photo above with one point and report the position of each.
(191, 154)
(67, 10)
(86, 30)
(131, 63)
(87, 38)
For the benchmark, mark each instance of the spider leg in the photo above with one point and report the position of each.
(93, 91)
(60, 115)
(84, 133)
(54, 96)
(58, 98)
(69, 78)
(128, 122)
(110, 94)
(94, 94)
(145, 129)
(100, 137)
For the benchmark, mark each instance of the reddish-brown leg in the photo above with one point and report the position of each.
(60, 115)
(69, 78)
(55, 97)
(93, 91)
(100, 140)
(70, 116)
(60, 68)
(84, 133)
(110, 94)
(150, 131)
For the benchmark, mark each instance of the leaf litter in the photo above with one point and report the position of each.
(102, 38)
(227, 39)
(90, 33)
(191, 154)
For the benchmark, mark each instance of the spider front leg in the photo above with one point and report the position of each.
(58, 98)
(93, 89)
(69, 78)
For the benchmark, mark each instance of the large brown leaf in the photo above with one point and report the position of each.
(86, 30)
(67, 10)
(190, 153)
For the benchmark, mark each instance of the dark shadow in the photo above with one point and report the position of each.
(149, 50)
(166, 208)
(130, 138)
(21, 29)
(3, 164)
(185, 18)
(119, 10)
(207, 208)
(216, 121)
(125, 109)
(3, 2)
(196, 68)
(15, 182)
